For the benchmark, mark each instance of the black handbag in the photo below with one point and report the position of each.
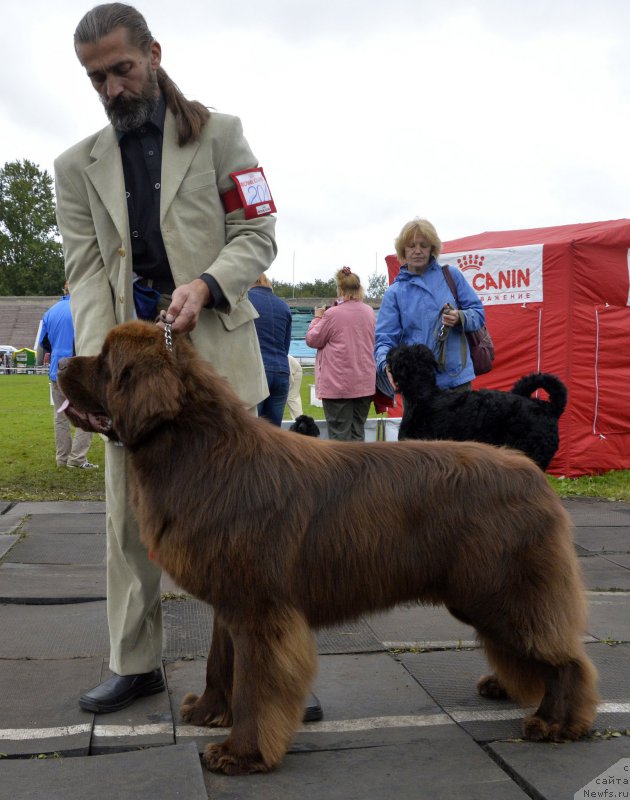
(480, 342)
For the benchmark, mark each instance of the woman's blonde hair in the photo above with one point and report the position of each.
(349, 284)
(263, 280)
(421, 227)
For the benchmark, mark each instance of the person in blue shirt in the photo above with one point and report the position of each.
(57, 338)
(273, 327)
(419, 308)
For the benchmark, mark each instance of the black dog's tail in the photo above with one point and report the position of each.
(554, 387)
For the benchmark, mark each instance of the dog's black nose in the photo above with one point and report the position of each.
(63, 363)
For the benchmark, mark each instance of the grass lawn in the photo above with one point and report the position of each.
(27, 461)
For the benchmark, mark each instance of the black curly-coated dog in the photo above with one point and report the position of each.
(305, 425)
(510, 418)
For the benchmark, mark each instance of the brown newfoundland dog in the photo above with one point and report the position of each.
(283, 533)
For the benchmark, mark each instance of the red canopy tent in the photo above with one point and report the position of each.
(558, 300)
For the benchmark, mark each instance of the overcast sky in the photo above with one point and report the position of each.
(480, 115)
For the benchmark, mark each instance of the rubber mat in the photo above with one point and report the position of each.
(187, 628)
(350, 637)
(450, 677)
(188, 632)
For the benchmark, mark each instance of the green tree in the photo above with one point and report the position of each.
(377, 284)
(31, 258)
(319, 288)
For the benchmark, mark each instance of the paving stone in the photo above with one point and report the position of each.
(10, 523)
(442, 765)
(163, 773)
(609, 616)
(420, 626)
(60, 548)
(39, 712)
(604, 539)
(51, 583)
(60, 507)
(65, 523)
(558, 771)
(4, 507)
(147, 722)
(592, 511)
(75, 630)
(602, 574)
(368, 700)
(7, 541)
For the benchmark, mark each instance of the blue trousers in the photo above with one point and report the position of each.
(272, 407)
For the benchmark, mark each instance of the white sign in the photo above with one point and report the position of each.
(503, 275)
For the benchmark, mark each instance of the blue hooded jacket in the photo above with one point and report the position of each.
(411, 312)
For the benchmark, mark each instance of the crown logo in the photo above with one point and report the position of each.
(470, 261)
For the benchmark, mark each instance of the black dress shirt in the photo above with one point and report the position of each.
(141, 153)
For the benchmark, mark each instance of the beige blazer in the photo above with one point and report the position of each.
(198, 237)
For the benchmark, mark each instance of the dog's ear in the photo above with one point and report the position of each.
(143, 389)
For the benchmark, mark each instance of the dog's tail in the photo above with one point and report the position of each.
(554, 387)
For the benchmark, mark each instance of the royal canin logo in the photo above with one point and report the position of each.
(472, 261)
(510, 279)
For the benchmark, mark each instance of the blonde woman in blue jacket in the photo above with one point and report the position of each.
(419, 302)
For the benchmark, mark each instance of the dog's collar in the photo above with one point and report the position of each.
(168, 336)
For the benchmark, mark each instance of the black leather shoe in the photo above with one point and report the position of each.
(312, 710)
(120, 691)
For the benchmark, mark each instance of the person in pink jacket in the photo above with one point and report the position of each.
(345, 371)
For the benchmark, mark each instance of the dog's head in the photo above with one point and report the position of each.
(131, 387)
(413, 369)
(305, 425)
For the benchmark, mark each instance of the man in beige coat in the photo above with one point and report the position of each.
(126, 213)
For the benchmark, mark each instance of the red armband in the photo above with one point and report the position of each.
(251, 192)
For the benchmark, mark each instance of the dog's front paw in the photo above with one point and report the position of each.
(537, 729)
(489, 686)
(221, 758)
(205, 711)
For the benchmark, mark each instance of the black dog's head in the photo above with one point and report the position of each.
(305, 425)
(413, 369)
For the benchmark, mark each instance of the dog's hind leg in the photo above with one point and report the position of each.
(275, 662)
(569, 704)
(565, 692)
(214, 706)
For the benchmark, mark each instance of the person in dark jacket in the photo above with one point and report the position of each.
(273, 327)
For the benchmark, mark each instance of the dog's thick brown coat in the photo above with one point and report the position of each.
(283, 533)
